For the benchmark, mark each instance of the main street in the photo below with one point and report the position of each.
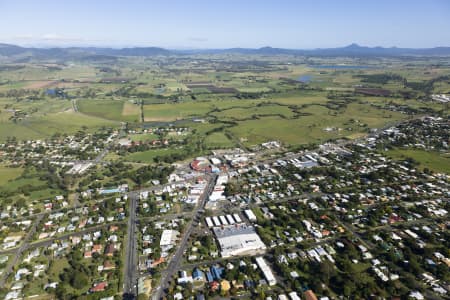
(177, 257)
(130, 268)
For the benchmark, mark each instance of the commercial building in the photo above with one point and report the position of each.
(235, 240)
(270, 278)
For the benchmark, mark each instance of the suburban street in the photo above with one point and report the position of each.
(177, 257)
(18, 252)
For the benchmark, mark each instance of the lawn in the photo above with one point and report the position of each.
(433, 160)
(149, 155)
(144, 137)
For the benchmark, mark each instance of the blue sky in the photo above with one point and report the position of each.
(226, 23)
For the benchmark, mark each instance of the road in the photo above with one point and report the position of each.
(130, 269)
(18, 252)
(48, 242)
(177, 257)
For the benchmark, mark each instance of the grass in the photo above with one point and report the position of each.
(15, 184)
(149, 155)
(7, 174)
(310, 128)
(218, 140)
(433, 160)
(116, 110)
(45, 126)
(249, 112)
(171, 112)
(144, 137)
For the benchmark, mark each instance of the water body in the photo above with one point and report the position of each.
(342, 67)
(304, 78)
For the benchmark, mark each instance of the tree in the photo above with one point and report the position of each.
(79, 280)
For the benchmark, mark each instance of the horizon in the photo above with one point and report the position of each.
(204, 49)
(200, 24)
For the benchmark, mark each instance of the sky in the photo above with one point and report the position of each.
(203, 24)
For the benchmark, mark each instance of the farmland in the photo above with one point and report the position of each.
(293, 100)
(78, 139)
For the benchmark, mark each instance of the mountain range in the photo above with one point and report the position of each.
(353, 50)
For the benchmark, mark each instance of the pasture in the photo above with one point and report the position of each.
(116, 110)
(435, 161)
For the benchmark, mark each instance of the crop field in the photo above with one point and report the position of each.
(248, 99)
(116, 110)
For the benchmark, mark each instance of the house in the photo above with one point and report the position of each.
(214, 286)
(309, 295)
(225, 285)
(13, 295)
(108, 265)
(97, 248)
(198, 275)
(217, 272)
(99, 287)
(110, 249)
(51, 285)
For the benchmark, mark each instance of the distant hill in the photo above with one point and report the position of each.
(102, 54)
(351, 50)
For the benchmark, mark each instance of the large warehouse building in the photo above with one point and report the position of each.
(237, 240)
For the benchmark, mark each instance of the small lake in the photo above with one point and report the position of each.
(342, 67)
(305, 78)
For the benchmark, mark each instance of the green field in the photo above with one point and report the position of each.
(435, 161)
(172, 112)
(7, 174)
(218, 140)
(312, 127)
(149, 155)
(116, 110)
(45, 126)
(144, 137)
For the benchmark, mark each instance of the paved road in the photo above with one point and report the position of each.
(18, 252)
(48, 242)
(177, 257)
(130, 269)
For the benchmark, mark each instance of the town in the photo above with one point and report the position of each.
(341, 218)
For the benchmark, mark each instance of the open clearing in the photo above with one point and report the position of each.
(7, 174)
(438, 162)
(109, 109)
(46, 125)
